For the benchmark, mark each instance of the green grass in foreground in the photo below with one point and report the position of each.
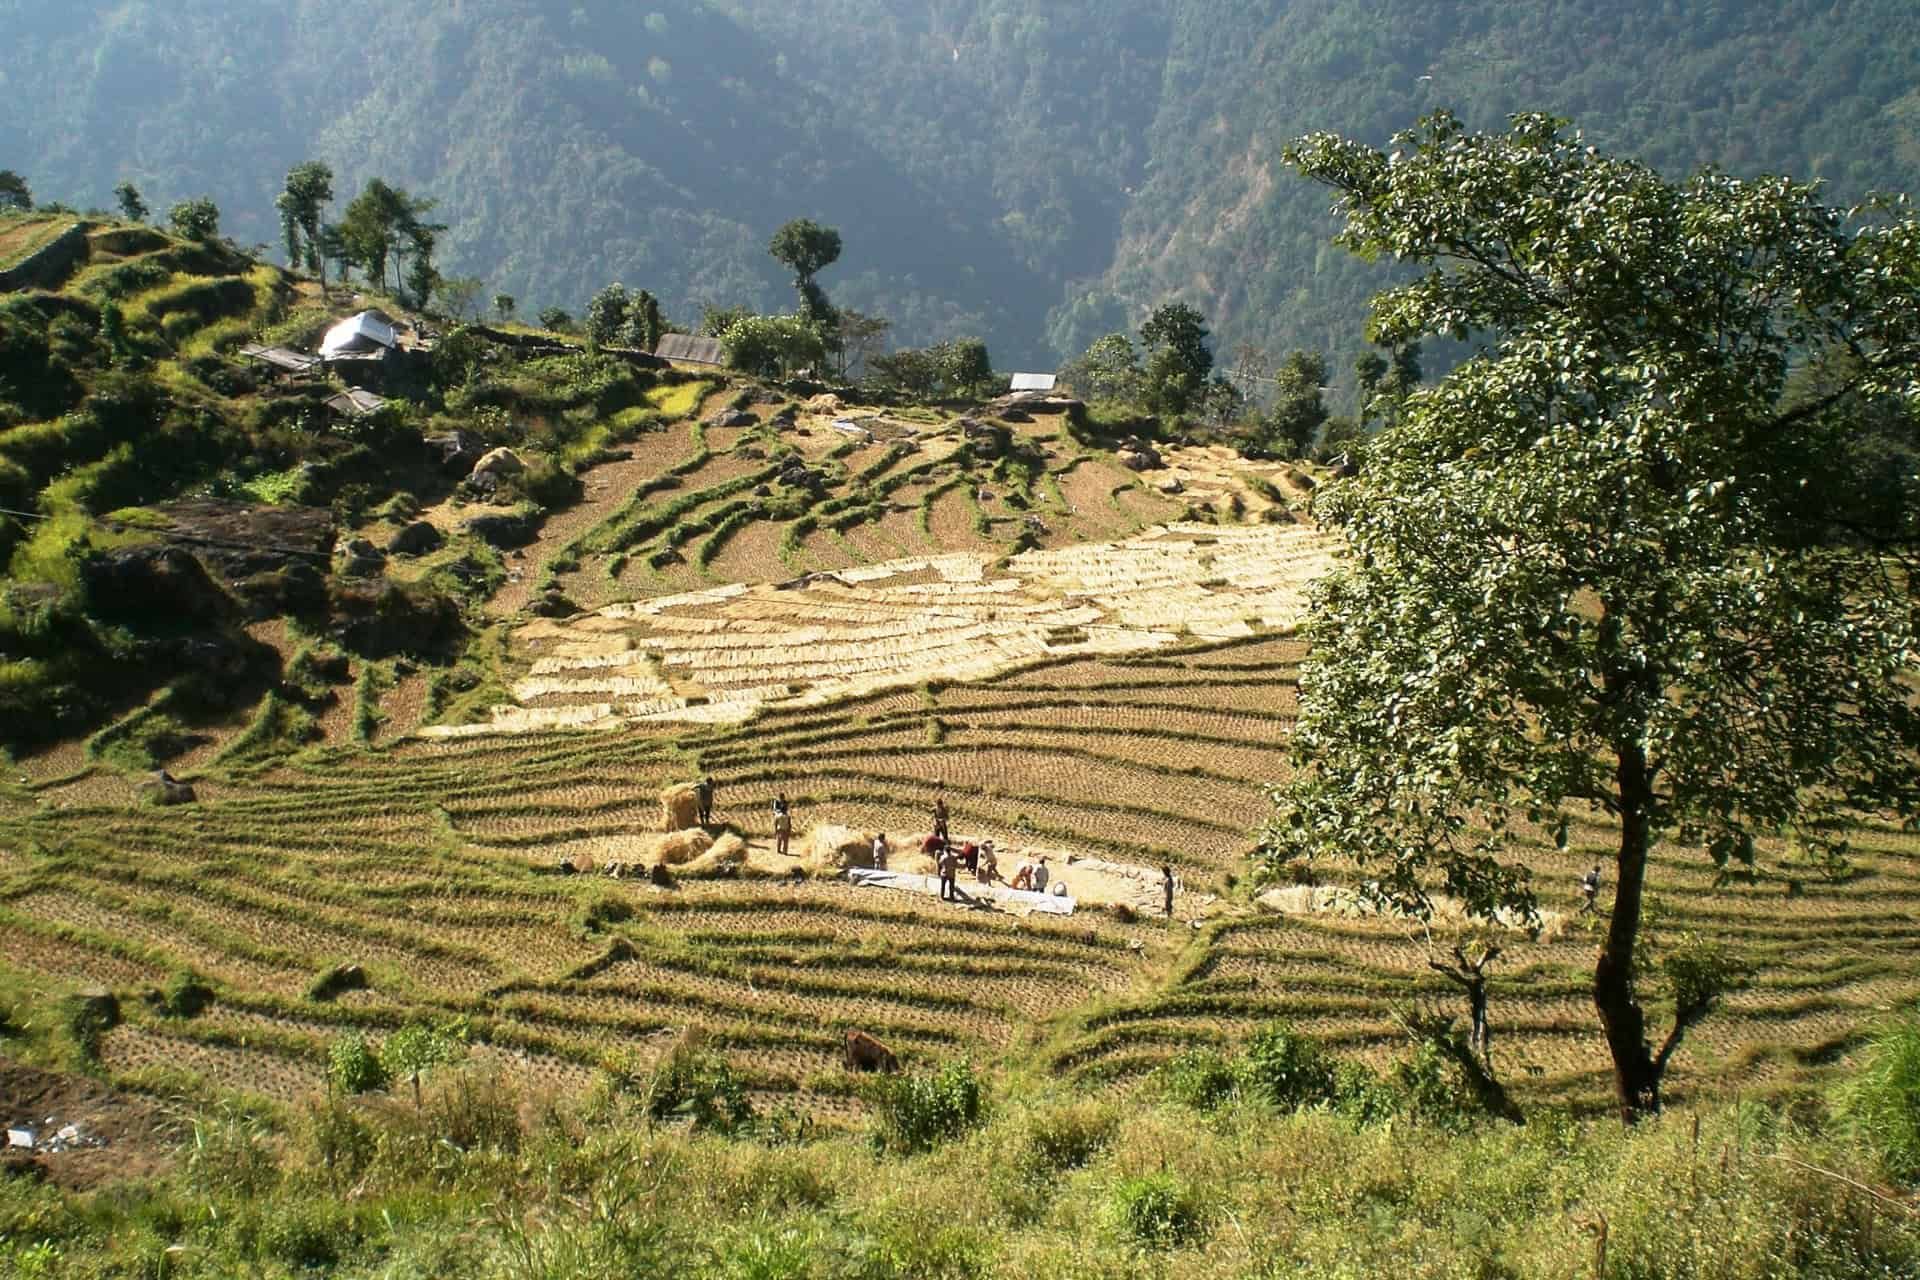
(476, 1179)
(466, 1186)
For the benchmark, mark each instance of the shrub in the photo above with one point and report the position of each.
(415, 1049)
(696, 1085)
(1064, 1138)
(231, 1153)
(1882, 1104)
(184, 996)
(352, 1065)
(918, 1112)
(1199, 1078)
(1361, 1096)
(339, 1141)
(1158, 1211)
(1288, 1069)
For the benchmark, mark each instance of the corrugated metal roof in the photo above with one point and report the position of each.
(1032, 382)
(363, 332)
(691, 349)
(355, 402)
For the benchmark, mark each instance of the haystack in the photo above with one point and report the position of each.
(679, 807)
(677, 848)
(724, 857)
(831, 849)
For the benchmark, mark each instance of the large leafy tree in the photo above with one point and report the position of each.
(1590, 570)
(1178, 358)
(384, 224)
(303, 205)
(807, 248)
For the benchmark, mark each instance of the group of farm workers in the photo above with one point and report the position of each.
(978, 859)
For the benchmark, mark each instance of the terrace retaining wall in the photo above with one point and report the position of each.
(48, 265)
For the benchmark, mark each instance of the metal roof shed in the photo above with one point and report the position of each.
(361, 334)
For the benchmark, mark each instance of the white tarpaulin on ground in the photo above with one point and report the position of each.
(999, 895)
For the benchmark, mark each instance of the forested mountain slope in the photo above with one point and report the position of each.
(1038, 174)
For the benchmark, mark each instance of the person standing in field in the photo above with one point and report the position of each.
(989, 865)
(1040, 875)
(782, 823)
(940, 819)
(704, 792)
(1166, 887)
(949, 865)
(880, 851)
(1590, 889)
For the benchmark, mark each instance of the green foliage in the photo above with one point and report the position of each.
(15, 195)
(353, 1066)
(697, 1086)
(1297, 411)
(1288, 1069)
(197, 219)
(606, 316)
(185, 995)
(1158, 1211)
(807, 248)
(1613, 411)
(773, 346)
(1107, 370)
(1203, 1079)
(1174, 340)
(918, 1111)
(1881, 1105)
(417, 1049)
(127, 197)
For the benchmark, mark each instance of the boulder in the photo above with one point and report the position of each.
(383, 618)
(824, 403)
(157, 582)
(1170, 485)
(553, 605)
(505, 530)
(729, 418)
(361, 559)
(503, 463)
(458, 450)
(680, 808)
(1140, 457)
(417, 539)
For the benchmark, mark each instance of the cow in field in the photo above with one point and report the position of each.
(864, 1053)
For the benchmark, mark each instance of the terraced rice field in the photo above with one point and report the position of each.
(1127, 700)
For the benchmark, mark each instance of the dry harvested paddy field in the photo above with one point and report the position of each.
(1120, 688)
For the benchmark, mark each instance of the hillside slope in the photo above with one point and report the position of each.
(1035, 174)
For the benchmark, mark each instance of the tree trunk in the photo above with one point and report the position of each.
(1636, 1080)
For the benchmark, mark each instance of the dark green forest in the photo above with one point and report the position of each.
(1035, 174)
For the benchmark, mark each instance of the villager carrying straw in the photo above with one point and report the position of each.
(989, 869)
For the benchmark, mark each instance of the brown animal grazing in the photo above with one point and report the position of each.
(864, 1053)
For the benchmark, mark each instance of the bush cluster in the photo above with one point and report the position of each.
(919, 1111)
